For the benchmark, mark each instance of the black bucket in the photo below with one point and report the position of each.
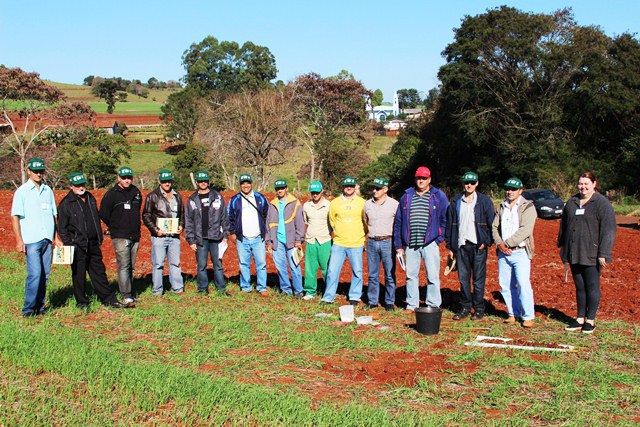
(428, 320)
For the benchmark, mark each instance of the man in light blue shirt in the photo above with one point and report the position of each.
(33, 216)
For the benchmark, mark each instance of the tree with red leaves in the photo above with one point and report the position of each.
(29, 107)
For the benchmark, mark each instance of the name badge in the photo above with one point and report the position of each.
(127, 206)
(580, 211)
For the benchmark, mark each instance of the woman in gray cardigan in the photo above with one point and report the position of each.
(586, 236)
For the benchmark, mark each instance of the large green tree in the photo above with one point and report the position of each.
(107, 90)
(408, 98)
(181, 114)
(228, 67)
(534, 95)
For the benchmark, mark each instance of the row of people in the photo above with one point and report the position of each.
(411, 229)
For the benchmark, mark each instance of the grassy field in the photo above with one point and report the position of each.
(189, 360)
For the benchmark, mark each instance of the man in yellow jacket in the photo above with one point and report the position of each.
(346, 217)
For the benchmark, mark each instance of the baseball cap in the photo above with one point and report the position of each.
(348, 181)
(380, 182)
(77, 178)
(36, 164)
(513, 183)
(202, 176)
(315, 187)
(125, 171)
(280, 183)
(165, 175)
(423, 172)
(469, 176)
(245, 177)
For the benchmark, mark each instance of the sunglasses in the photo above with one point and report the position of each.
(377, 188)
(470, 182)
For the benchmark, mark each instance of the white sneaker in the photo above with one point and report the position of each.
(128, 301)
(308, 297)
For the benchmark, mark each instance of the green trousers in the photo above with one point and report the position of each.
(316, 255)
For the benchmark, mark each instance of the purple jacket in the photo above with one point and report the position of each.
(436, 226)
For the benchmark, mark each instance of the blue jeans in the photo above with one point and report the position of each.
(126, 253)
(254, 246)
(430, 255)
(513, 274)
(470, 260)
(38, 268)
(209, 248)
(381, 251)
(336, 260)
(282, 257)
(161, 248)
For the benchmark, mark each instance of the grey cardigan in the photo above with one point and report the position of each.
(527, 216)
(583, 239)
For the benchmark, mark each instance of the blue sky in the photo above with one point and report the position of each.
(386, 45)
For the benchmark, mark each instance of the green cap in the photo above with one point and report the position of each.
(315, 187)
(165, 175)
(280, 183)
(202, 176)
(513, 183)
(348, 181)
(380, 182)
(125, 171)
(77, 178)
(469, 176)
(245, 177)
(36, 164)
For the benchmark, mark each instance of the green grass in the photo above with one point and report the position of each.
(189, 360)
(132, 108)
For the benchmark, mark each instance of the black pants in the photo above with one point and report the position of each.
(472, 262)
(90, 261)
(587, 281)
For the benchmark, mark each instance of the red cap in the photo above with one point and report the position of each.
(423, 172)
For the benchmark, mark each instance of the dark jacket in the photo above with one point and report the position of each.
(235, 214)
(72, 224)
(438, 204)
(583, 239)
(483, 213)
(157, 206)
(123, 222)
(218, 219)
(293, 222)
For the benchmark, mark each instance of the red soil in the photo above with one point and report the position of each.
(620, 280)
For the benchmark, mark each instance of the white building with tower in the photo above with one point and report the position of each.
(381, 112)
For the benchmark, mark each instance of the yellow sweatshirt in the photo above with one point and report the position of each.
(347, 220)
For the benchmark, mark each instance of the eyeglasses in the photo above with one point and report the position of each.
(470, 182)
(377, 188)
(315, 193)
(511, 189)
(421, 178)
(37, 172)
(126, 177)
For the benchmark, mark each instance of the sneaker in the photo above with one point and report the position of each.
(389, 307)
(462, 314)
(527, 323)
(354, 302)
(202, 291)
(588, 328)
(323, 302)
(128, 300)
(29, 314)
(118, 304)
(477, 316)
(308, 297)
(510, 319)
(574, 326)
(41, 312)
(297, 296)
(370, 306)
